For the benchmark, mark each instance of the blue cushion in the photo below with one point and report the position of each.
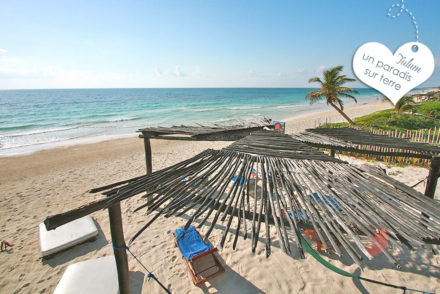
(241, 180)
(329, 201)
(190, 242)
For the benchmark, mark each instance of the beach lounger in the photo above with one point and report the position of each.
(199, 256)
(98, 276)
(67, 235)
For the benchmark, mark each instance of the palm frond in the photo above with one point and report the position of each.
(314, 96)
(315, 80)
(348, 96)
(346, 89)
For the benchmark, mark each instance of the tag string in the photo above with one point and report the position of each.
(402, 8)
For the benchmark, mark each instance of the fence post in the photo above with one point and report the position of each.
(431, 184)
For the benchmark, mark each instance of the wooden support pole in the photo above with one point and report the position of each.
(119, 251)
(148, 162)
(431, 184)
(332, 152)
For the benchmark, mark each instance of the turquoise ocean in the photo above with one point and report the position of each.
(38, 119)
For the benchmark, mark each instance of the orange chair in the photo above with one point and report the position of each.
(199, 256)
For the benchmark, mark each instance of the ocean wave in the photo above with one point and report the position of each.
(205, 109)
(10, 144)
(40, 131)
(95, 123)
(22, 127)
(289, 106)
(118, 119)
(243, 107)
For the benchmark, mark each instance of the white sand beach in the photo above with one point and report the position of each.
(48, 182)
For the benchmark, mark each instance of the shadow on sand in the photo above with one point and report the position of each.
(412, 261)
(136, 282)
(229, 282)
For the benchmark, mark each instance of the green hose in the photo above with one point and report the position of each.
(328, 265)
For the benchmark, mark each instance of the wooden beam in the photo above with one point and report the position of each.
(119, 251)
(148, 163)
(431, 184)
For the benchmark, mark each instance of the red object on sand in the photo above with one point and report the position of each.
(310, 234)
(4, 245)
(381, 237)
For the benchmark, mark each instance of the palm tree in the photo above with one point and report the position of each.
(405, 103)
(332, 90)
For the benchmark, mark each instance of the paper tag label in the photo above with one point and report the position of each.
(393, 75)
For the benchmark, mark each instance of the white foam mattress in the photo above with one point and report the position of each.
(67, 235)
(91, 276)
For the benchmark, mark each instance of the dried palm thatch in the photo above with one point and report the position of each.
(271, 179)
(212, 132)
(354, 140)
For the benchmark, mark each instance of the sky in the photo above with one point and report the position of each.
(206, 43)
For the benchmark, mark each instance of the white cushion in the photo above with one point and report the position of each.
(91, 276)
(67, 235)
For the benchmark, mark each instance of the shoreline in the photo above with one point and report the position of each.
(24, 134)
(63, 158)
(304, 114)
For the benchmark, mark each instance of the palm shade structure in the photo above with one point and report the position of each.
(332, 90)
(271, 184)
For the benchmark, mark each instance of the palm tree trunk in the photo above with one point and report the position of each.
(342, 113)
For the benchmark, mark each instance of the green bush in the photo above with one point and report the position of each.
(431, 109)
(389, 119)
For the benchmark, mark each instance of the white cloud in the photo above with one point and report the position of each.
(198, 71)
(15, 68)
(251, 72)
(17, 74)
(3, 51)
(4, 60)
(7, 73)
(178, 72)
(301, 70)
(158, 72)
(320, 70)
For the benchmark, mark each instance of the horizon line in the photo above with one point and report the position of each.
(100, 88)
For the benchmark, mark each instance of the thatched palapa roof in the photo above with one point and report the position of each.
(354, 140)
(214, 132)
(270, 179)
